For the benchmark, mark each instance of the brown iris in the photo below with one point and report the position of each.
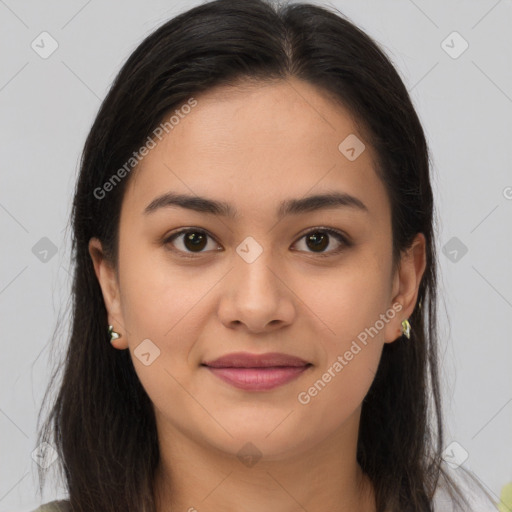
(319, 240)
(195, 240)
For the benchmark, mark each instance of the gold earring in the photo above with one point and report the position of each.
(406, 328)
(113, 334)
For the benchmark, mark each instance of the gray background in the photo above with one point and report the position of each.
(465, 105)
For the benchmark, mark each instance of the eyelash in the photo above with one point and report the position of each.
(330, 231)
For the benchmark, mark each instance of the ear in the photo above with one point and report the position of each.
(107, 278)
(406, 282)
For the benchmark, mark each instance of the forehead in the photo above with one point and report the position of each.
(256, 145)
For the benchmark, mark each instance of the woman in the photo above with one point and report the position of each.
(254, 315)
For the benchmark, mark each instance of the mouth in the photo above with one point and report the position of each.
(257, 372)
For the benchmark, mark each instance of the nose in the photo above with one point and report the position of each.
(256, 296)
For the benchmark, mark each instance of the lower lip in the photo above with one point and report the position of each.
(258, 379)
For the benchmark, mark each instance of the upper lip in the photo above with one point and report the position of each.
(248, 360)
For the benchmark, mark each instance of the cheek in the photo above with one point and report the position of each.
(158, 299)
(348, 301)
(347, 309)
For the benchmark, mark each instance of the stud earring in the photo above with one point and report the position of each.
(406, 328)
(113, 334)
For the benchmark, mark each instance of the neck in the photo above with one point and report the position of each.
(194, 477)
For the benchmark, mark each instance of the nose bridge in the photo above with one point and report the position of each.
(256, 294)
(256, 269)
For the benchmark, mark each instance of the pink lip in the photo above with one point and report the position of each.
(257, 372)
(258, 379)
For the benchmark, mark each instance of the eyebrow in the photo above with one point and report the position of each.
(288, 207)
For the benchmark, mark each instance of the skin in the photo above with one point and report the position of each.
(255, 147)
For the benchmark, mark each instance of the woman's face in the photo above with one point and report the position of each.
(270, 278)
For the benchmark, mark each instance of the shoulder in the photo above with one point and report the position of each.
(471, 490)
(54, 506)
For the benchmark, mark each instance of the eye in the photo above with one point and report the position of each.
(193, 240)
(320, 238)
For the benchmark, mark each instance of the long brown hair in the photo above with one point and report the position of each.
(101, 422)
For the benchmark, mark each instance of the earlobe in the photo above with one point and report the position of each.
(406, 285)
(107, 279)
